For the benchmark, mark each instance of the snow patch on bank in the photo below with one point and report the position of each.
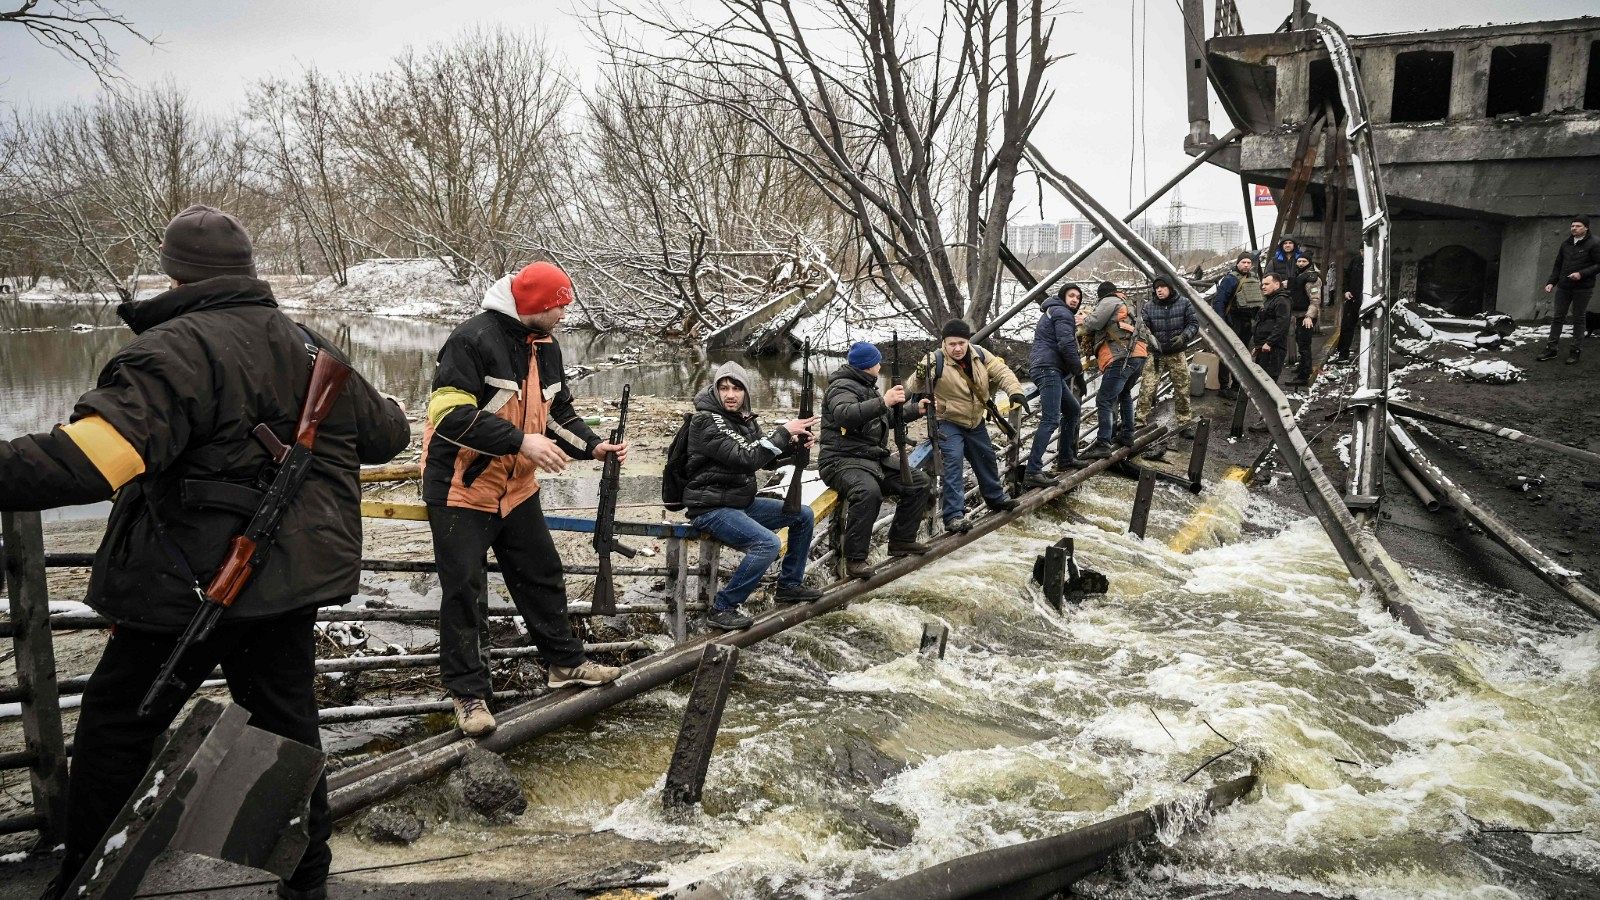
(422, 287)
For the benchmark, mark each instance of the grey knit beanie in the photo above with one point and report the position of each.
(202, 242)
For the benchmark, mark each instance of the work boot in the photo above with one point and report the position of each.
(1229, 393)
(958, 525)
(907, 548)
(1097, 450)
(1063, 466)
(797, 593)
(858, 568)
(1550, 352)
(1003, 505)
(473, 716)
(731, 619)
(1038, 480)
(285, 892)
(586, 674)
(1572, 358)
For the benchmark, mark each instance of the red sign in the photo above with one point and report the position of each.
(1264, 195)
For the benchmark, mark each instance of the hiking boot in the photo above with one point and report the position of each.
(1063, 466)
(285, 892)
(586, 674)
(1097, 450)
(473, 716)
(1550, 352)
(1572, 357)
(1123, 440)
(1038, 480)
(797, 593)
(730, 619)
(908, 548)
(1229, 393)
(858, 568)
(957, 526)
(1005, 505)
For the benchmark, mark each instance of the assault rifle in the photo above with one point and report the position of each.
(248, 551)
(605, 519)
(802, 454)
(935, 455)
(897, 416)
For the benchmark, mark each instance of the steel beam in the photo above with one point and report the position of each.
(934, 637)
(1412, 411)
(1036, 292)
(1141, 503)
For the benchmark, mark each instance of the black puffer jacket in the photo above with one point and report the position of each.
(1582, 257)
(855, 422)
(211, 360)
(726, 449)
(1273, 322)
(1172, 322)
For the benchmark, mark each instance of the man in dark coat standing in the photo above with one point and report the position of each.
(1572, 282)
(1171, 321)
(1269, 342)
(858, 464)
(1238, 300)
(1054, 364)
(167, 429)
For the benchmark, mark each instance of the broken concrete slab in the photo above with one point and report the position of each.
(484, 786)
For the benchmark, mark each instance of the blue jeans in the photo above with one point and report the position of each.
(1058, 407)
(972, 444)
(750, 530)
(1116, 390)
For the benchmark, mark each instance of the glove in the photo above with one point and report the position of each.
(1020, 401)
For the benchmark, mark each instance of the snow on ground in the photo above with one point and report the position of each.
(416, 287)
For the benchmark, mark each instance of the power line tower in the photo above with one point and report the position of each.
(1172, 234)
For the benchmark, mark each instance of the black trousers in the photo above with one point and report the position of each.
(1272, 361)
(270, 672)
(1242, 321)
(1349, 324)
(863, 490)
(1302, 342)
(1569, 302)
(527, 556)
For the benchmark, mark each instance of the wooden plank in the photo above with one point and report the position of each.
(417, 512)
(1141, 503)
(702, 717)
(23, 542)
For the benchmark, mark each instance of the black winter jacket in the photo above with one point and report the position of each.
(1272, 324)
(1582, 257)
(1055, 339)
(855, 422)
(209, 362)
(726, 450)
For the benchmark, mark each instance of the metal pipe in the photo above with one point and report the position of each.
(1403, 469)
(1564, 580)
(1360, 551)
(995, 872)
(1412, 411)
(1033, 294)
(340, 714)
(424, 566)
(372, 781)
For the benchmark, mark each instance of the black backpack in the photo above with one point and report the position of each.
(675, 475)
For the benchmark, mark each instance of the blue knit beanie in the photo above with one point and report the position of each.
(863, 355)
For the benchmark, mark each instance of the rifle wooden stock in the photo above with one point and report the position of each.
(234, 573)
(328, 376)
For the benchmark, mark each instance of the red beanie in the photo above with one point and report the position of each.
(540, 286)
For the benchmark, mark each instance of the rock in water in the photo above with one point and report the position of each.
(390, 824)
(484, 784)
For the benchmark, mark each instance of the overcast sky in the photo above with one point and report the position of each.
(216, 48)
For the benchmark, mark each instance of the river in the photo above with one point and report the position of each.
(845, 758)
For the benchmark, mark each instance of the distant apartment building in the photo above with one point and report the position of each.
(1072, 235)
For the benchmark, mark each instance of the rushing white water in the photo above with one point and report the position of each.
(845, 758)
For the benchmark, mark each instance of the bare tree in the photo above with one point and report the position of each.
(99, 183)
(879, 110)
(462, 150)
(690, 213)
(80, 30)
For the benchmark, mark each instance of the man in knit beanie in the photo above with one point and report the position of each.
(499, 414)
(858, 463)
